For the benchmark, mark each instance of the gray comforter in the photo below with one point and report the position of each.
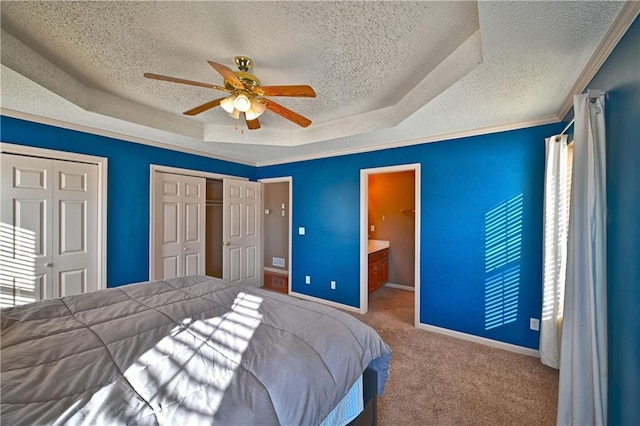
(191, 350)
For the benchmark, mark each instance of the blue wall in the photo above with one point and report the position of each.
(128, 186)
(620, 77)
(461, 181)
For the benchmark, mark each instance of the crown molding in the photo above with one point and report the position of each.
(115, 135)
(417, 141)
(623, 21)
(398, 144)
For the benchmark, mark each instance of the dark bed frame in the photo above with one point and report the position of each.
(369, 416)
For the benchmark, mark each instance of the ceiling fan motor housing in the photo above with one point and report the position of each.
(249, 80)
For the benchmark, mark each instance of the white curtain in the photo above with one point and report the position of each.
(557, 183)
(582, 395)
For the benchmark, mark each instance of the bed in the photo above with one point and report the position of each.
(188, 350)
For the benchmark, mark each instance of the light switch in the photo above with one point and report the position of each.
(373, 228)
(301, 230)
(534, 324)
(267, 211)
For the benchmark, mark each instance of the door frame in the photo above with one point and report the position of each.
(289, 180)
(364, 232)
(102, 164)
(153, 168)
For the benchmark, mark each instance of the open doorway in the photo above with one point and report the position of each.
(277, 207)
(389, 233)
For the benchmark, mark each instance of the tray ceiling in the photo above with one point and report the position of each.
(385, 73)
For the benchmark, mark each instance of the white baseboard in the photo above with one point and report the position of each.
(400, 286)
(325, 302)
(482, 340)
(276, 271)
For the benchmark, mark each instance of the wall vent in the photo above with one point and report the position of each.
(278, 261)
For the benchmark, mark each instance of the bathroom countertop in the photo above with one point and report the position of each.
(377, 245)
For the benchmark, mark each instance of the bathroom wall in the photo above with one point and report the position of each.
(276, 226)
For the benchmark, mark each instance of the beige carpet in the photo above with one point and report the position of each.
(441, 380)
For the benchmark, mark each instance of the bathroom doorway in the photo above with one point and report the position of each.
(390, 230)
(277, 233)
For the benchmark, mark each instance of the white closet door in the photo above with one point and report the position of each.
(193, 205)
(49, 228)
(179, 226)
(242, 232)
(26, 229)
(168, 232)
(75, 234)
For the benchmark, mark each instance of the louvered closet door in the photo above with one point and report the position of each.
(179, 226)
(48, 245)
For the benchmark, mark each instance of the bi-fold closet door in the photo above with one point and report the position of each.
(179, 231)
(179, 225)
(49, 231)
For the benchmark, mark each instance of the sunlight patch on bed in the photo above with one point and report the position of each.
(196, 360)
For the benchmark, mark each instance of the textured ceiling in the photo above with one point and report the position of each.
(385, 72)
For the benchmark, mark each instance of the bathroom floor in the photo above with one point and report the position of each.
(276, 282)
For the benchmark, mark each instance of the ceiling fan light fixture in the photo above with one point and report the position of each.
(256, 110)
(251, 114)
(242, 103)
(258, 106)
(235, 114)
(228, 104)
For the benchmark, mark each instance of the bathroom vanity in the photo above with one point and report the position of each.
(378, 264)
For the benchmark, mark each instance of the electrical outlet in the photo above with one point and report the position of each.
(373, 228)
(534, 324)
(307, 279)
(333, 285)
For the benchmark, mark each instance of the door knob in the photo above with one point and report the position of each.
(185, 249)
(48, 265)
(227, 243)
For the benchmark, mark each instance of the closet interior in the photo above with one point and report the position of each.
(213, 248)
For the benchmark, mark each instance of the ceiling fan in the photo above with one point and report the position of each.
(247, 95)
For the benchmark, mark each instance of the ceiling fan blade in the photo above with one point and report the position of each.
(286, 113)
(228, 74)
(302, 91)
(183, 81)
(204, 107)
(253, 124)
